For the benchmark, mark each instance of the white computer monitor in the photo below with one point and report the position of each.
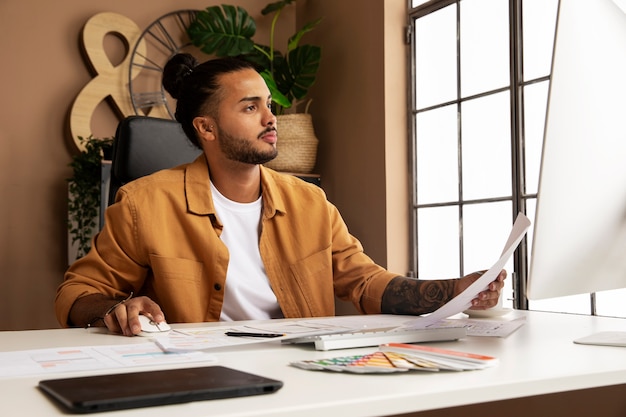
(580, 225)
(579, 237)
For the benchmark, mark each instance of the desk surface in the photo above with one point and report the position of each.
(539, 358)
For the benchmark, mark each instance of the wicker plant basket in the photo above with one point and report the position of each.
(297, 144)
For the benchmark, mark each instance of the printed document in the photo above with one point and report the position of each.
(463, 301)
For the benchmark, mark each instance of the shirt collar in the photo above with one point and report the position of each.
(198, 189)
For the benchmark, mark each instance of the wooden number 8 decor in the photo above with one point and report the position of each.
(110, 80)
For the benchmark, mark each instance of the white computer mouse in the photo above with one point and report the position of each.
(151, 328)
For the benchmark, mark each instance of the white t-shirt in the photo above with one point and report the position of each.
(248, 294)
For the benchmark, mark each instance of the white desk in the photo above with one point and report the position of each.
(536, 361)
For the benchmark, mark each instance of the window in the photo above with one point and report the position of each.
(480, 72)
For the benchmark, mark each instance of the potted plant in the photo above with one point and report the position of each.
(84, 191)
(228, 31)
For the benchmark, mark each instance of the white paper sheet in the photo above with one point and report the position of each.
(482, 327)
(464, 300)
(90, 358)
(207, 338)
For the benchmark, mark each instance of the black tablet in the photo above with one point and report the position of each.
(149, 388)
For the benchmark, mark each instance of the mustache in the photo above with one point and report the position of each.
(267, 130)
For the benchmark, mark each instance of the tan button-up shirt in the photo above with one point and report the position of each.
(162, 239)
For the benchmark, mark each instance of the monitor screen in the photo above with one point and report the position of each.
(579, 243)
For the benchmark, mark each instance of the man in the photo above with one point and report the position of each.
(224, 238)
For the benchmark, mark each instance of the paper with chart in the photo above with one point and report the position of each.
(463, 301)
(91, 358)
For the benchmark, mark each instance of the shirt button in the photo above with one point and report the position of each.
(217, 287)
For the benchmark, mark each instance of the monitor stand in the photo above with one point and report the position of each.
(604, 339)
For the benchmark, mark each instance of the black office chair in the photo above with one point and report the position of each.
(144, 145)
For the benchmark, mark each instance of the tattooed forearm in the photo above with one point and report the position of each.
(413, 296)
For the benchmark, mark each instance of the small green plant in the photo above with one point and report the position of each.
(84, 191)
(228, 30)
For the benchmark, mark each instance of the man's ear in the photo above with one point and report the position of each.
(205, 127)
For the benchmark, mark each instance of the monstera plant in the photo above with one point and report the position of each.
(229, 30)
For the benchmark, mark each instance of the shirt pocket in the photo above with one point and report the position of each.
(176, 268)
(314, 277)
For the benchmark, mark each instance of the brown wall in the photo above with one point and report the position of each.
(358, 111)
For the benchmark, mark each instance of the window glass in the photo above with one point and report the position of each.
(415, 3)
(535, 105)
(438, 247)
(486, 147)
(611, 303)
(435, 58)
(485, 230)
(484, 40)
(531, 208)
(575, 304)
(538, 17)
(437, 156)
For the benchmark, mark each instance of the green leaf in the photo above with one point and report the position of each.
(84, 191)
(296, 75)
(277, 97)
(295, 39)
(275, 7)
(260, 56)
(223, 30)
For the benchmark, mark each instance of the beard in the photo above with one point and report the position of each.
(243, 150)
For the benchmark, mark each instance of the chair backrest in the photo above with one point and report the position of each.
(144, 145)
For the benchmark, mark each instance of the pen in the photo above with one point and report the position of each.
(248, 334)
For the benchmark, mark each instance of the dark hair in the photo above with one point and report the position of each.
(195, 87)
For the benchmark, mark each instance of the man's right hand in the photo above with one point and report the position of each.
(124, 318)
(119, 316)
